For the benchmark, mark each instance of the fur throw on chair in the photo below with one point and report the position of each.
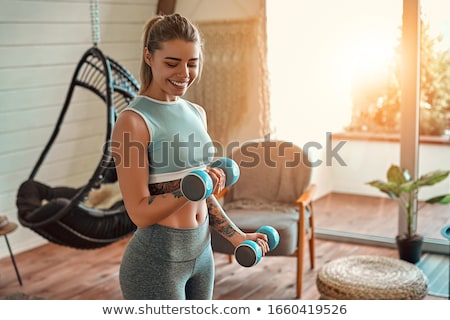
(104, 197)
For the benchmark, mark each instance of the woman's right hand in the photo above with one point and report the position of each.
(218, 178)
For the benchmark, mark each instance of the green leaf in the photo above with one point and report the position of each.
(401, 187)
(391, 189)
(432, 178)
(399, 182)
(397, 176)
(409, 186)
(443, 199)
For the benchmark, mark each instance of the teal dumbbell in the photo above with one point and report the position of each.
(248, 253)
(197, 184)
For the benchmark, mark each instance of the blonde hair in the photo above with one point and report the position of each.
(165, 28)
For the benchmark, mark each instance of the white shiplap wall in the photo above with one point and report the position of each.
(40, 45)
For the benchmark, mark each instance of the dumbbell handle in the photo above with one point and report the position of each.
(230, 168)
(249, 253)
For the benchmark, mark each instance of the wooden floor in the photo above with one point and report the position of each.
(55, 272)
(376, 216)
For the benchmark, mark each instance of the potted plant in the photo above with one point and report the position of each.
(401, 187)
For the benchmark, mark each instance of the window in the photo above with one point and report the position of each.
(319, 60)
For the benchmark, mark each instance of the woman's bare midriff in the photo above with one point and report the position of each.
(190, 215)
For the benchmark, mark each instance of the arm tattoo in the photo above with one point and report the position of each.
(178, 194)
(219, 220)
(151, 199)
(163, 189)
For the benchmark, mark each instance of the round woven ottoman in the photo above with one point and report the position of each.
(364, 277)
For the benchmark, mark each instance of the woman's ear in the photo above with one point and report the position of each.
(147, 57)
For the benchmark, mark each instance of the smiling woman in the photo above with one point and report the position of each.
(174, 67)
(157, 141)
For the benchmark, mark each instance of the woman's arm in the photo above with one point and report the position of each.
(129, 144)
(220, 221)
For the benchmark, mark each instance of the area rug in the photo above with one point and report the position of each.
(436, 268)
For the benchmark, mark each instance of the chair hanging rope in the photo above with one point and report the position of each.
(95, 22)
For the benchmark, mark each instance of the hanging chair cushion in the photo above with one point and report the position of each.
(104, 197)
(37, 201)
(77, 228)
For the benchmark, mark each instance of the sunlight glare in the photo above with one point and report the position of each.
(365, 57)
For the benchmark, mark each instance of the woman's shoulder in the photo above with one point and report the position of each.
(134, 111)
(138, 102)
(130, 121)
(194, 105)
(199, 109)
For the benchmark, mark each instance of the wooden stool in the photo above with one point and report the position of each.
(6, 229)
(371, 278)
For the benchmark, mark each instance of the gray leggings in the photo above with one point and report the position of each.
(163, 263)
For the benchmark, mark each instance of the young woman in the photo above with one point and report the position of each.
(157, 140)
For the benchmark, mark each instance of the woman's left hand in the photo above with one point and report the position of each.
(261, 240)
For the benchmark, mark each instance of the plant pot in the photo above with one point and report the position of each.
(410, 248)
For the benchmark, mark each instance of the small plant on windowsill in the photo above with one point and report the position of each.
(402, 188)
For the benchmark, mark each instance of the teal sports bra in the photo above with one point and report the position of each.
(179, 143)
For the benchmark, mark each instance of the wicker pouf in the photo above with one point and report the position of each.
(364, 277)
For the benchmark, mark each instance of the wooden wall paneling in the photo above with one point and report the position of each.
(29, 98)
(24, 160)
(77, 165)
(8, 203)
(83, 162)
(20, 120)
(22, 56)
(123, 11)
(19, 140)
(17, 120)
(47, 33)
(34, 76)
(43, 97)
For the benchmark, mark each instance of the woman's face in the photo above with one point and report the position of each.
(174, 67)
